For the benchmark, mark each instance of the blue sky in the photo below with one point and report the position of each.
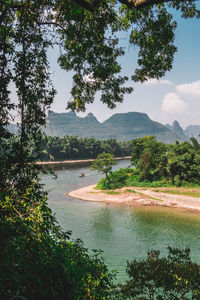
(174, 97)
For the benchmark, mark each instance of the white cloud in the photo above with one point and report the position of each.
(189, 88)
(172, 103)
(156, 81)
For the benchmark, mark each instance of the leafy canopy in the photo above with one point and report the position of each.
(171, 277)
(178, 163)
(32, 243)
(103, 163)
(87, 35)
(158, 164)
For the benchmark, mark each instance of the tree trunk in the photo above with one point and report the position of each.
(108, 178)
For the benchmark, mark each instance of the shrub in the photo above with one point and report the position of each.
(171, 277)
(117, 180)
(177, 180)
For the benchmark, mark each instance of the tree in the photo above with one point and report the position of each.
(86, 34)
(178, 163)
(171, 277)
(184, 162)
(103, 164)
(150, 158)
(85, 31)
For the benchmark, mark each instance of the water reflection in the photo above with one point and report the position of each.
(102, 223)
(158, 228)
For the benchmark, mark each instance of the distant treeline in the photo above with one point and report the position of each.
(73, 147)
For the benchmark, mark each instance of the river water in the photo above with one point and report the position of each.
(122, 232)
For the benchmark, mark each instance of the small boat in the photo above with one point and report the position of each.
(82, 175)
(55, 176)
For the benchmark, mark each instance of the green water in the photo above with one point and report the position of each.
(122, 232)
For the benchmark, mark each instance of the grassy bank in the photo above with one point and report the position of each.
(130, 177)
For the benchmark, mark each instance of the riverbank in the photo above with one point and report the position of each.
(137, 196)
(74, 162)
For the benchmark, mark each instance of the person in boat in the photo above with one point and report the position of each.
(82, 175)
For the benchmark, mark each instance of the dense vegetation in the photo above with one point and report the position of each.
(163, 278)
(37, 259)
(72, 147)
(158, 164)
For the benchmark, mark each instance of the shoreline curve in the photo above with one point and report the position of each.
(136, 196)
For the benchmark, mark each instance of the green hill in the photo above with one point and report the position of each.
(123, 126)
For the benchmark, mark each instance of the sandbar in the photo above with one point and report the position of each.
(136, 196)
(76, 161)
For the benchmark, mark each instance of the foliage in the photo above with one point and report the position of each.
(103, 164)
(184, 162)
(72, 147)
(134, 180)
(49, 268)
(171, 277)
(157, 164)
(86, 32)
(149, 157)
(178, 163)
(37, 259)
(117, 179)
(128, 177)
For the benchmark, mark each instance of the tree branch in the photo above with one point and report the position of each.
(141, 3)
(51, 23)
(85, 4)
(92, 5)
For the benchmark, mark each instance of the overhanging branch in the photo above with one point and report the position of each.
(92, 5)
(85, 4)
(142, 3)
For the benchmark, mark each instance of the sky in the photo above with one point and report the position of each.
(174, 97)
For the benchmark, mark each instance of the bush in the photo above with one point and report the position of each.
(171, 277)
(135, 181)
(37, 259)
(128, 177)
(177, 180)
(49, 269)
(117, 180)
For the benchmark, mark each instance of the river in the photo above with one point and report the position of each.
(122, 232)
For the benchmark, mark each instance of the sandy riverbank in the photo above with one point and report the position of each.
(135, 196)
(76, 161)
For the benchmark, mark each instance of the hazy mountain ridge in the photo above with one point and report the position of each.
(190, 131)
(121, 126)
(193, 130)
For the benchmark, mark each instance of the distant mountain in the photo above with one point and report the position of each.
(190, 131)
(60, 124)
(168, 126)
(193, 130)
(123, 126)
(178, 130)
